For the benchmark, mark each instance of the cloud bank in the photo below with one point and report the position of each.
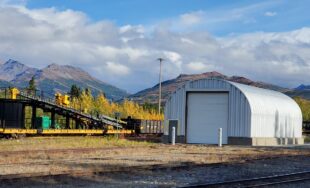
(126, 56)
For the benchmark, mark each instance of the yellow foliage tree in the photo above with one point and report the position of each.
(304, 106)
(87, 102)
(102, 105)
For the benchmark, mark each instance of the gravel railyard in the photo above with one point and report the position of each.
(137, 164)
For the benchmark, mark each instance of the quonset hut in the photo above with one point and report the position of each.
(247, 115)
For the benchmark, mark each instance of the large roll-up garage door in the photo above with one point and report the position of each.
(206, 113)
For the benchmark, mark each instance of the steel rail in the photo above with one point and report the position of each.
(273, 180)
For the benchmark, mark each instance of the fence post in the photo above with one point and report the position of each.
(220, 137)
(173, 136)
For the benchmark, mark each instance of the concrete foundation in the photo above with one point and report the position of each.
(248, 141)
(264, 141)
(178, 139)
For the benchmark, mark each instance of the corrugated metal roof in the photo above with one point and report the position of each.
(265, 103)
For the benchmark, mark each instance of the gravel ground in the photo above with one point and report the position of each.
(173, 177)
(305, 184)
(131, 164)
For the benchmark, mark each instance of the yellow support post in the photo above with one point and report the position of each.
(62, 99)
(14, 93)
(65, 100)
(58, 98)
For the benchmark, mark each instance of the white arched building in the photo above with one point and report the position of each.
(247, 115)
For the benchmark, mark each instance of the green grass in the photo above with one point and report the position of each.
(39, 143)
(307, 139)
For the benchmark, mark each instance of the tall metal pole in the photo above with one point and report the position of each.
(159, 96)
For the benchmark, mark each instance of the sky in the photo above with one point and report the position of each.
(118, 41)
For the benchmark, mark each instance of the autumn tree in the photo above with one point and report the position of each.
(304, 106)
(101, 105)
(87, 101)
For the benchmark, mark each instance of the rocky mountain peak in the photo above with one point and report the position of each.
(241, 79)
(55, 77)
(303, 87)
(12, 69)
(52, 66)
(213, 74)
(13, 64)
(55, 71)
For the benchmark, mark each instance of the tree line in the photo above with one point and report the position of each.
(82, 99)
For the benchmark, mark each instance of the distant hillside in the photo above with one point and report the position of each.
(151, 94)
(55, 78)
(5, 83)
(302, 87)
(302, 91)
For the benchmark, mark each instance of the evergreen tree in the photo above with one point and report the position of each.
(32, 85)
(75, 91)
(87, 91)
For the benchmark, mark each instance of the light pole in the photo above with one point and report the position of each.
(159, 96)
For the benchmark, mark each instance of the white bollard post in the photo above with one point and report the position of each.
(220, 137)
(173, 136)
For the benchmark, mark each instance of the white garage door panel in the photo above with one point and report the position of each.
(206, 113)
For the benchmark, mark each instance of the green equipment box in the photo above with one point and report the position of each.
(43, 122)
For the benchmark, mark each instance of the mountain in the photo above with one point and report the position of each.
(302, 87)
(12, 69)
(150, 95)
(55, 78)
(5, 84)
(300, 91)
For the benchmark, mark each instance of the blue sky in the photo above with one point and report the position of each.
(118, 41)
(269, 16)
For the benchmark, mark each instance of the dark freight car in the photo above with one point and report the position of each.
(145, 126)
(306, 127)
(11, 114)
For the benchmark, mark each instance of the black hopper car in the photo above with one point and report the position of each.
(141, 126)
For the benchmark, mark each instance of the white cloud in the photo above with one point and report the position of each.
(126, 56)
(192, 18)
(270, 14)
(172, 56)
(197, 66)
(118, 69)
(130, 28)
(215, 19)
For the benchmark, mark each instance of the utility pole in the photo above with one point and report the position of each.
(159, 96)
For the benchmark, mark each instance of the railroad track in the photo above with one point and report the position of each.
(260, 181)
